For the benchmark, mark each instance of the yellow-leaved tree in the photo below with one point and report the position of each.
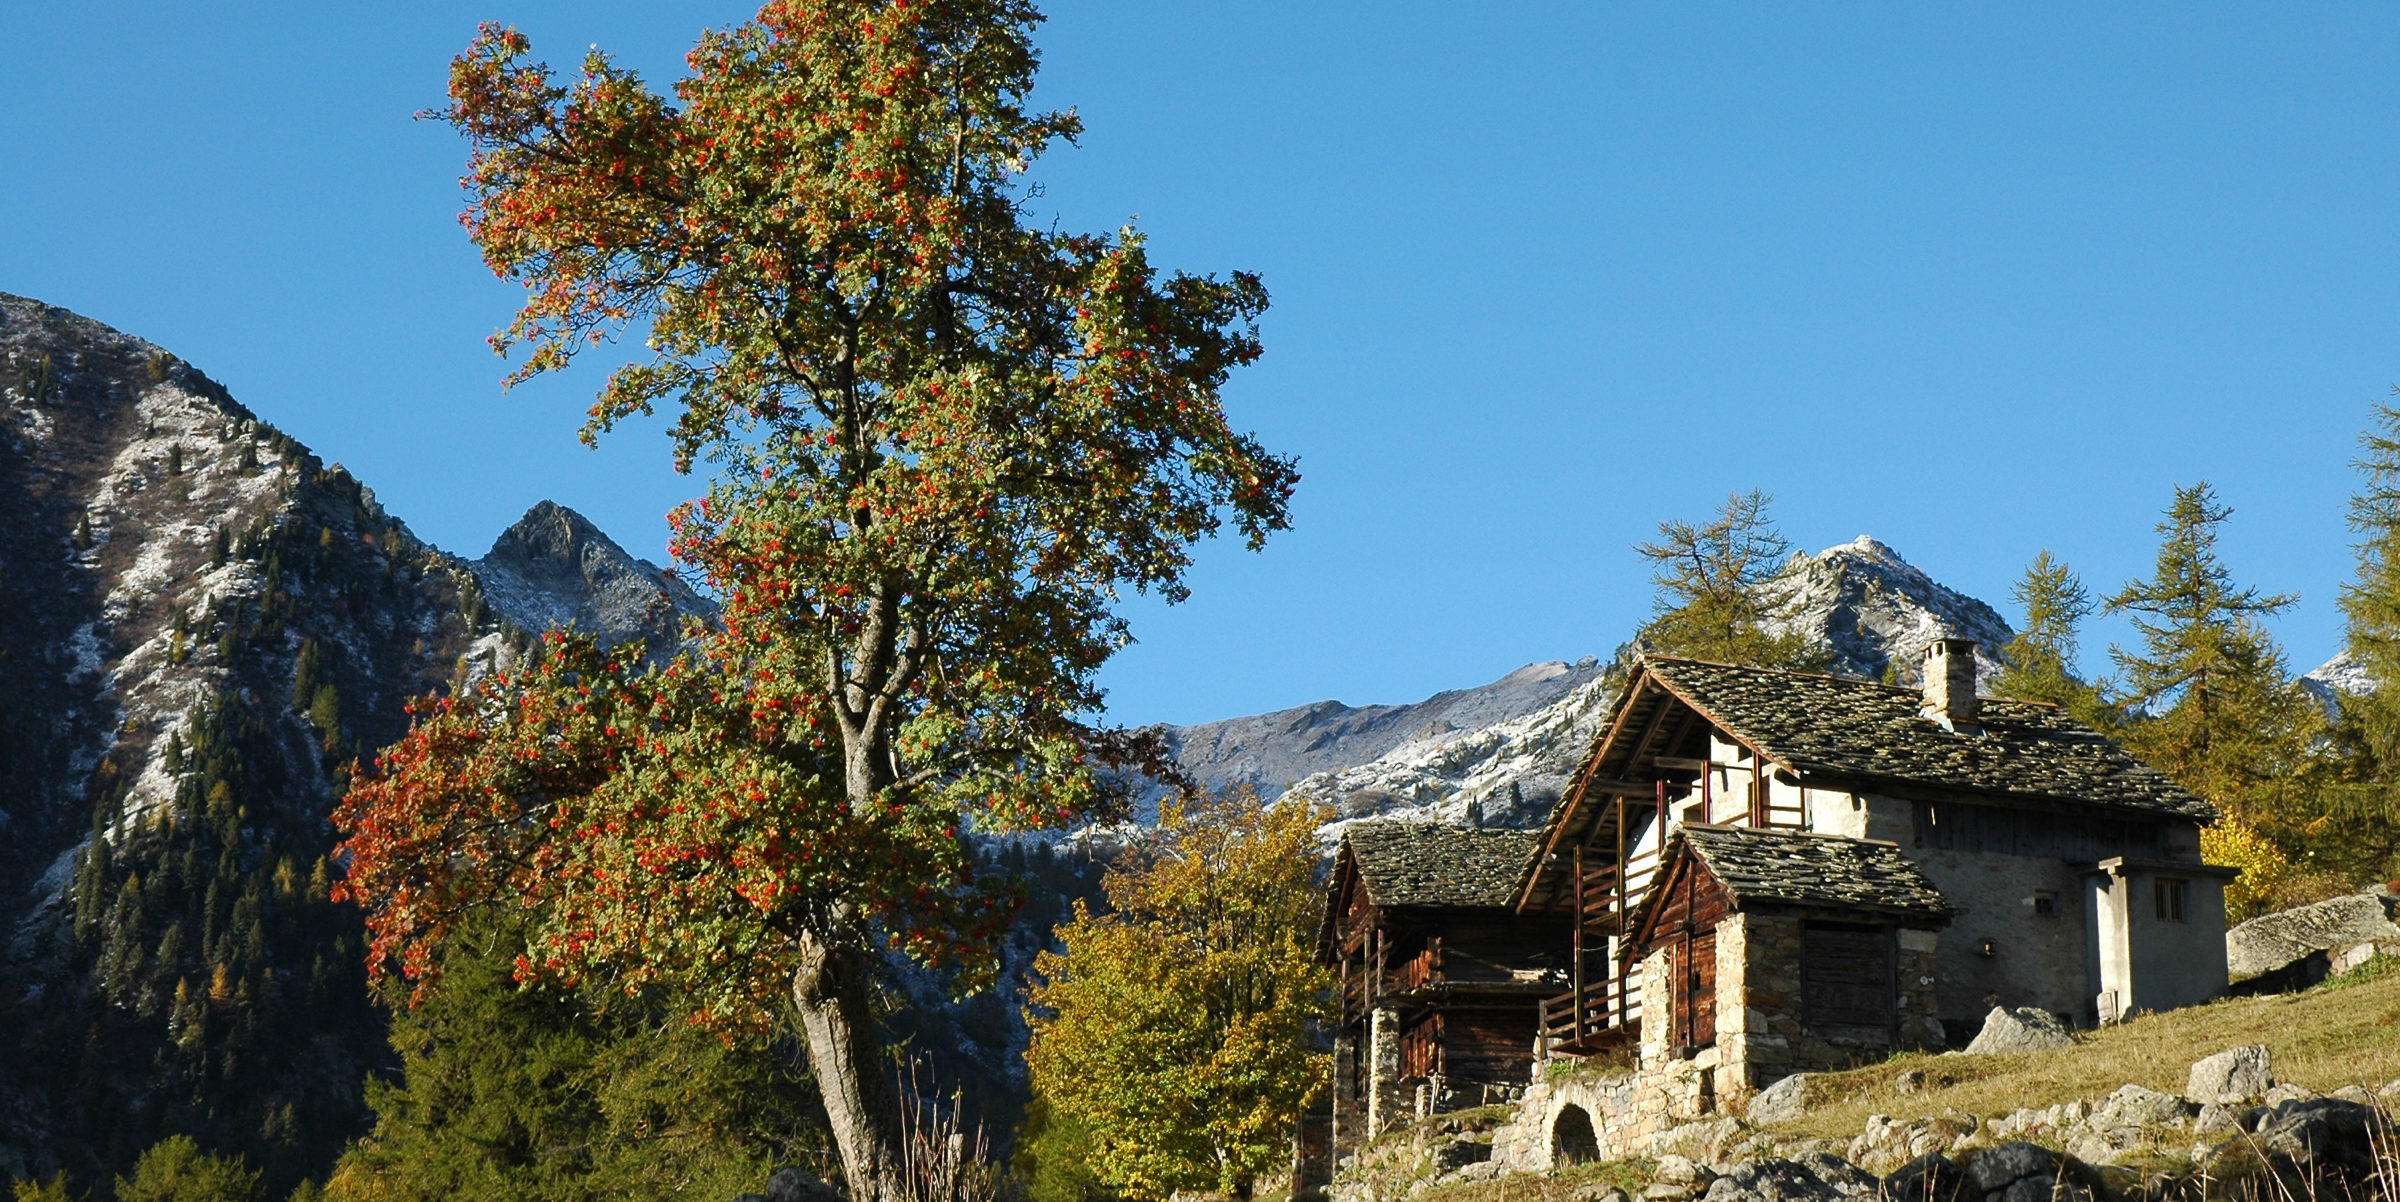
(1178, 1034)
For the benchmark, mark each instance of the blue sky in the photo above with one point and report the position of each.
(1976, 282)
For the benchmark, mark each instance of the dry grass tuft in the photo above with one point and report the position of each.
(2344, 1032)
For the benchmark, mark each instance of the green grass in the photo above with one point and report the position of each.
(2345, 1031)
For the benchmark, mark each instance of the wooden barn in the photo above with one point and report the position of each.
(1440, 977)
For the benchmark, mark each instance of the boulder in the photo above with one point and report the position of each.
(2023, 1029)
(1847, 1179)
(2134, 1106)
(1772, 1180)
(1781, 1102)
(1928, 1178)
(1997, 1168)
(2233, 1075)
(2272, 942)
(2322, 1148)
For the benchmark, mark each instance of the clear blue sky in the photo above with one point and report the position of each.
(1976, 281)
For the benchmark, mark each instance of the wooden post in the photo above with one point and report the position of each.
(1616, 968)
(1577, 984)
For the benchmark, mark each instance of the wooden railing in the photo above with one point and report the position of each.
(1420, 970)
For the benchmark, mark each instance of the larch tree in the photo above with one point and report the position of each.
(1176, 1032)
(2208, 696)
(2357, 823)
(2040, 660)
(1711, 581)
(945, 438)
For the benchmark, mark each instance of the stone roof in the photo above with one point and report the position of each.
(1799, 868)
(1868, 732)
(1431, 864)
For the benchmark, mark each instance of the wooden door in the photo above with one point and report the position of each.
(1695, 992)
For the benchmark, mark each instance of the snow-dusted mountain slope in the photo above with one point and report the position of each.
(1868, 606)
(1860, 600)
(554, 568)
(1272, 751)
(2336, 677)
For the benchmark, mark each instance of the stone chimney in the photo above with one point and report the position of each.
(1950, 682)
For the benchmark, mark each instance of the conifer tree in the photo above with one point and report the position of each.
(2211, 697)
(2355, 826)
(1709, 579)
(2040, 660)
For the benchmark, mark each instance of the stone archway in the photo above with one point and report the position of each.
(1571, 1138)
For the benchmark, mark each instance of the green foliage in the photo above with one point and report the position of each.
(2040, 661)
(53, 1190)
(83, 532)
(552, 1095)
(1173, 1039)
(1054, 1159)
(2214, 703)
(176, 1170)
(175, 459)
(1709, 579)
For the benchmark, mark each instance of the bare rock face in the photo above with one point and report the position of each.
(2023, 1029)
(2233, 1075)
(2273, 942)
(554, 568)
(1872, 609)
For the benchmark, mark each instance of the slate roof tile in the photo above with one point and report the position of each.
(1430, 864)
(1800, 868)
(1875, 732)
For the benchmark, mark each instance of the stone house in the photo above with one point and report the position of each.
(1779, 870)
(1766, 952)
(1439, 974)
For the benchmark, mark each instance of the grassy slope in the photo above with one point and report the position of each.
(2344, 1032)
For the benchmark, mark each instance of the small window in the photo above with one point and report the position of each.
(2171, 897)
(2045, 903)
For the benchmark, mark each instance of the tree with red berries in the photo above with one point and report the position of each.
(944, 441)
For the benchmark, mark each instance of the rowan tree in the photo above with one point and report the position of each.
(1711, 580)
(1175, 1033)
(944, 438)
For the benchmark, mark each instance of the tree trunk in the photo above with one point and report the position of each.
(830, 992)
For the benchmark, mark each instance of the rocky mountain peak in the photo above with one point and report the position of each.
(555, 568)
(1870, 607)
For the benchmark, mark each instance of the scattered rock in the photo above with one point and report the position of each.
(1593, 1191)
(1999, 1167)
(1772, 1180)
(2233, 1075)
(1847, 1179)
(1928, 1178)
(1781, 1102)
(2023, 1029)
(2135, 1106)
(2322, 1148)
(1680, 1170)
(2217, 1119)
(2289, 1093)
